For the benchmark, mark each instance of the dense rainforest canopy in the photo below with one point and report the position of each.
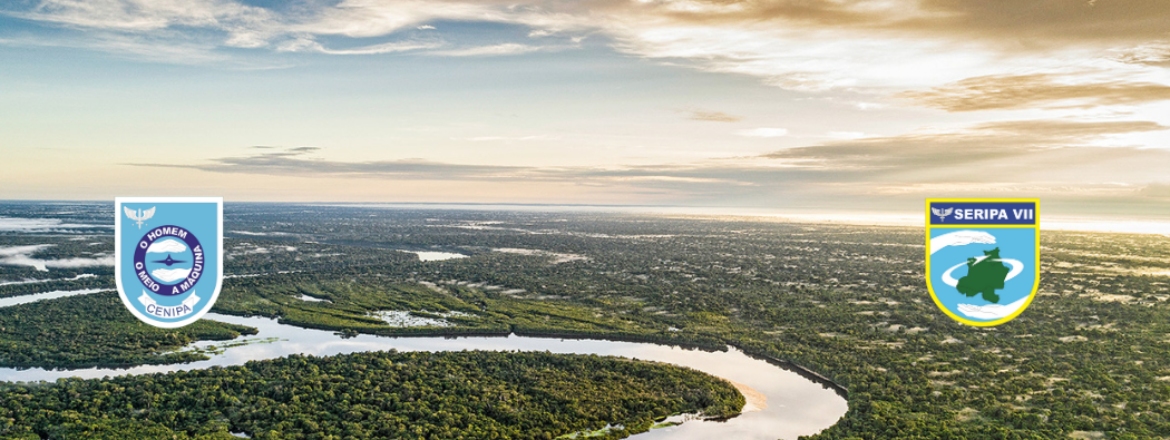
(1089, 358)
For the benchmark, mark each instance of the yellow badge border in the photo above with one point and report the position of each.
(930, 287)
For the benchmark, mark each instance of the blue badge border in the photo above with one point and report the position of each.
(118, 201)
(929, 226)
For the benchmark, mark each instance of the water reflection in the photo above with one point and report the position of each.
(794, 405)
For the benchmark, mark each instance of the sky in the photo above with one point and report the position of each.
(779, 106)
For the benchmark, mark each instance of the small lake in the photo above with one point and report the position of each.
(782, 403)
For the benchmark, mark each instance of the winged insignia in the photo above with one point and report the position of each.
(140, 216)
(942, 213)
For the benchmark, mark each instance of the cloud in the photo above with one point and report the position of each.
(309, 45)
(372, 18)
(276, 152)
(1046, 23)
(170, 275)
(1149, 54)
(492, 50)
(1049, 22)
(1086, 164)
(993, 311)
(242, 26)
(159, 48)
(1072, 162)
(8, 224)
(1156, 191)
(764, 132)
(1002, 145)
(22, 256)
(166, 247)
(11, 251)
(877, 48)
(713, 116)
(293, 162)
(1030, 91)
(959, 238)
(36, 225)
(1021, 151)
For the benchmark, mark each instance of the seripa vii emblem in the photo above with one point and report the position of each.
(983, 257)
(169, 257)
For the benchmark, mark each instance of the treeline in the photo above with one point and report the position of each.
(96, 330)
(378, 395)
(352, 300)
(1088, 357)
(59, 281)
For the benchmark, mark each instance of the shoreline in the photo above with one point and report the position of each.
(754, 400)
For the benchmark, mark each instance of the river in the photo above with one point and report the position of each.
(781, 403)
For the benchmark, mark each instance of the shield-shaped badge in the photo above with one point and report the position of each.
(983, 257)
(169, 257)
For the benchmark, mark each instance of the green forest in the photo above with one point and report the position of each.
(456, 395)
(1090, 358)
(96, 331)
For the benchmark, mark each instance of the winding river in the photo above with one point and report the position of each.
(781, 403)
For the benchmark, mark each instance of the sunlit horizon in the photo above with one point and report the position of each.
(1105, 224)
(851, 106)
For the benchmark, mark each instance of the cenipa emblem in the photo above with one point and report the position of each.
(169, 254)
(983, 257)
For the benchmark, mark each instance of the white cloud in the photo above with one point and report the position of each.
(872, 51)
(781, 44)
(869, 106)
(309, 45)
(166, 246)
(170, 275)
(960, 238)
(992, 311)
(764, 132)
(493, 50)
(27, 224)
(18, 224)
(21, 256)
(371, 18)
(35, 281)
(21, 250)
(245, 26)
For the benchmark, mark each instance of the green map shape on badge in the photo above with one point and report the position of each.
(984, 276)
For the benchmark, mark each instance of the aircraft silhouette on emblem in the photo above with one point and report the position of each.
(169, 261)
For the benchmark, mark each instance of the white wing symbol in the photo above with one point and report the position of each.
(139, 216)
(942, 213)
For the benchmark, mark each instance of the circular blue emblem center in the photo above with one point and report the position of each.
(168, 260)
